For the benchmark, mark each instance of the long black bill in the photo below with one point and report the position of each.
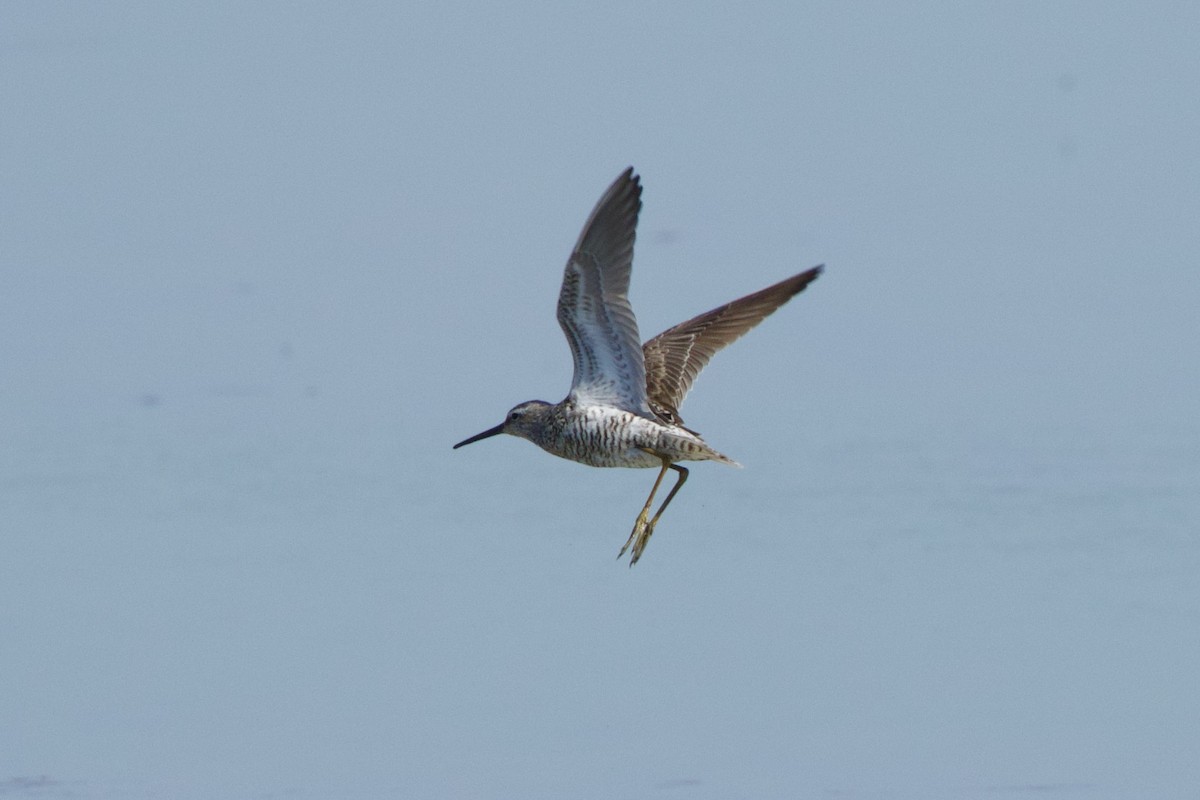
(489, 432)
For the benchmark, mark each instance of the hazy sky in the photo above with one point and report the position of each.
(261, 264)
(1004, 194)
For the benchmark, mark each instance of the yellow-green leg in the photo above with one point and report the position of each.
(643, 528)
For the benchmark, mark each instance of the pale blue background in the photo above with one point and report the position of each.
(261, 264)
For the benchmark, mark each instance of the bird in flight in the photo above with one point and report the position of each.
(623, 407)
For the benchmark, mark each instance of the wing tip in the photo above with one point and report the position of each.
(807, 277)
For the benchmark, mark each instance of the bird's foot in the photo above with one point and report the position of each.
(643, 529)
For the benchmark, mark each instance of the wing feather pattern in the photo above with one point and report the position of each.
(675, 357)
(593, 304)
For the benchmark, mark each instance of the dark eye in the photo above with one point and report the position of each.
(516, 413)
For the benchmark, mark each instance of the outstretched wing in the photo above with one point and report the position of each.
(675, 357)
(593, 305)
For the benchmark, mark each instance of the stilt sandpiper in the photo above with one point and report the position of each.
(623, 407)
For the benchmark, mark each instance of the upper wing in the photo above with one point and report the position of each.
(675, 357)
(593, 305)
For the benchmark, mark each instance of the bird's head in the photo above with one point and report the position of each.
(524, 420)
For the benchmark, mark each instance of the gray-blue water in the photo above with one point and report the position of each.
(260, 266)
